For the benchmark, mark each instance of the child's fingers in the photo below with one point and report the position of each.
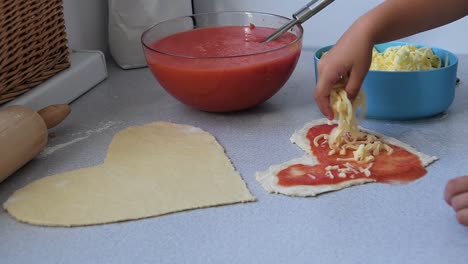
(459, 201)
(354, 82)
(322, 91)
(462, 216)
(455, 186)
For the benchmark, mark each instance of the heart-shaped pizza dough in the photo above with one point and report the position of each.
(311, 167)
(150, 170)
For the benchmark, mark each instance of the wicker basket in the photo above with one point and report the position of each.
(33, 44)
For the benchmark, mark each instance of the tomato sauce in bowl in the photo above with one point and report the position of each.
(223, 68)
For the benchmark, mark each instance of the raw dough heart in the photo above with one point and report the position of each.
(150, 170)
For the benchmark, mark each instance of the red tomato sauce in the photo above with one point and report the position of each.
(201, 76)
(399, 167)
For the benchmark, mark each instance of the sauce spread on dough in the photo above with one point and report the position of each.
(399, 167)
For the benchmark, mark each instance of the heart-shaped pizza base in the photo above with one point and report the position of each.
(150, 170)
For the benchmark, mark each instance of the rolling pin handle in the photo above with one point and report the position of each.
(54, 114)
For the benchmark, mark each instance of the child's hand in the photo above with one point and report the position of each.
(348, 62)
(456, 195)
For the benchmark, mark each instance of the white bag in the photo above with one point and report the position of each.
(129, 18)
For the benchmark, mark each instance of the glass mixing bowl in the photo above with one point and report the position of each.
(216, 62)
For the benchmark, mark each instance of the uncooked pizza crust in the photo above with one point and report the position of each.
(150, 170)
(269, 180)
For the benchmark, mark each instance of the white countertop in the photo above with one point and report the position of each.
(373, 223)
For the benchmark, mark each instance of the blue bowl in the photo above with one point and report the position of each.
(408, 95)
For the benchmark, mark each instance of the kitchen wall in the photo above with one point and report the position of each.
(86, 22)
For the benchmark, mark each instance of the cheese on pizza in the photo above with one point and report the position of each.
(317, 172)
(340, 154)
(347, 136)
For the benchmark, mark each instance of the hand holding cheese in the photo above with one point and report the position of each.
(351, 56)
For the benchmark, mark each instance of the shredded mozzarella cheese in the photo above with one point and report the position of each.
(406, 58)
(347, 170)
(347, 136)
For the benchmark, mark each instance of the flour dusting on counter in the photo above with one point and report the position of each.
(80, 136)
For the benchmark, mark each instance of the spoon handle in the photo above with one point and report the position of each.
(312, 8)
(300, 17)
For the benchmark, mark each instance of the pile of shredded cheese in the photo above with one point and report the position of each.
(347, 136)
(405, 58)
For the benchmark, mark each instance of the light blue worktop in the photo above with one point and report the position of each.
(373, 223)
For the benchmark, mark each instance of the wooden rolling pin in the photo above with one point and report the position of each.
(23, 134)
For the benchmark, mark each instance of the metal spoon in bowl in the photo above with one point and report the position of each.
(300, 17)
